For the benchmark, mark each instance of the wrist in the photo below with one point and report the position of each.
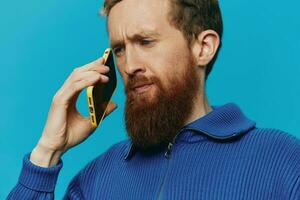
(44, 157)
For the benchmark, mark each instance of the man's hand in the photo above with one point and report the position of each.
(65, 126)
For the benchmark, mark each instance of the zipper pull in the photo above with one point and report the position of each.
(169, 150)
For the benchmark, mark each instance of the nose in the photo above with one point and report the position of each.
(133, 62)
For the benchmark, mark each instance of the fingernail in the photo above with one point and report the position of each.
(105, 78)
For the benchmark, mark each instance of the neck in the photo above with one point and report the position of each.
(200, 108)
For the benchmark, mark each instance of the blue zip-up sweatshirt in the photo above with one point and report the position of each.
(221, 156)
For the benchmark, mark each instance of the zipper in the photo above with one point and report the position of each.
(170, 148)
(168, 157)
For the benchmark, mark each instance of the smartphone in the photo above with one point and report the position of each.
(100, 94)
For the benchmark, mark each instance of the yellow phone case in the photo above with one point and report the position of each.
(90, 97)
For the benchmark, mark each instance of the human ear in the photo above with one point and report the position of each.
(205, 46)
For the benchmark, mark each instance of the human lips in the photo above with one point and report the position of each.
(141, 87)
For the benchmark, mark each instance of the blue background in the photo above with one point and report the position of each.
(42, 41)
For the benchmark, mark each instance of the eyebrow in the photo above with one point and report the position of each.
(134, 37)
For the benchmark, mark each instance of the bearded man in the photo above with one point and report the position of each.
(179, 146)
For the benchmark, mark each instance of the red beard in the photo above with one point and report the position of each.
(152, 121)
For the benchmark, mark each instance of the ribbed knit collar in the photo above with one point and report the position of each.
(222, 123)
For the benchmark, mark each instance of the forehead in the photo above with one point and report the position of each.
(130, 17)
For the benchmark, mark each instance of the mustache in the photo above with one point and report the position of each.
(139, 80)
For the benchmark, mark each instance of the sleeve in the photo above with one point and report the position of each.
(295, 189)
(295, 195)
(35, 182)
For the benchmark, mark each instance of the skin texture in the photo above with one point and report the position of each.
(145, 43)
(150, 51)
(164, 58)
(65, 126)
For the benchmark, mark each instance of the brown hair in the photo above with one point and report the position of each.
(191, 17)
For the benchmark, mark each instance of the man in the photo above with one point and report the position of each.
(180, 147)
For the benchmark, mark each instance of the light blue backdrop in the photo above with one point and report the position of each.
(42, 41)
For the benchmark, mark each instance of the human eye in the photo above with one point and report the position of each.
(146, 42)
(118, 51)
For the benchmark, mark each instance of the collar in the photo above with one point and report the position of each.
(222, 123)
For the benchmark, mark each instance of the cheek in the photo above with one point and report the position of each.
(170, 65)
(122, 74)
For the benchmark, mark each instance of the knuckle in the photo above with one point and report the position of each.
(57, 95)
(74, 87)
(98, 76)
(92, 79)
(76, 70)
(57, 98)
(85, 82)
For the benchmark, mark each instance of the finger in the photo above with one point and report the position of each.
(69, 91)
(100, 69)
(86, 75)
(77, 73)
(89, 66)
